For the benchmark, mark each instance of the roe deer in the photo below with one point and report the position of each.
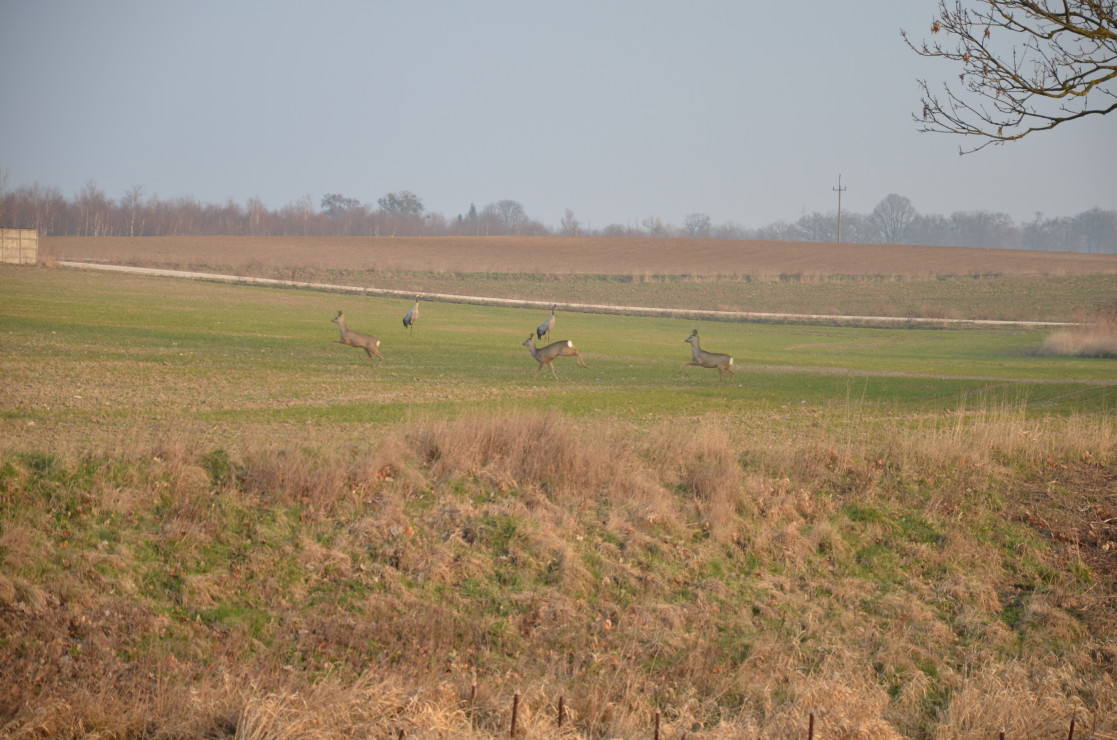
(546, 355)
(702, 358)
(369, 344)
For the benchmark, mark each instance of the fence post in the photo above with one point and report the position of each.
(1070, 736)
(515, 711)
(657, 724)
(561, 712)
(810, 728)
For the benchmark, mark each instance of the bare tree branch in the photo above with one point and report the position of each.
(1026, 66)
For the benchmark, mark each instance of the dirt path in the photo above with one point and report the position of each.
(577, 307)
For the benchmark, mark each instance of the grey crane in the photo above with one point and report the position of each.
(544, 329)
(412, 315)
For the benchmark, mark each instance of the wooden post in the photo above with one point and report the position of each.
(810, 728)
(1071, 735)
(515, 711)
(561, 712)
(657, 724)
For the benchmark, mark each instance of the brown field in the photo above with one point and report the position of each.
(562, 255)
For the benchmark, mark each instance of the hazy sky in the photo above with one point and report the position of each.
(618, 111)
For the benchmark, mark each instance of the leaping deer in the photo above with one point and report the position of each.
(370, 344)
(702, 358)
(546, 355)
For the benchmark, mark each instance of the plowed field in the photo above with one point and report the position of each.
(562, 255)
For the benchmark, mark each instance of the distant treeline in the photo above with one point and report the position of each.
(894, 221)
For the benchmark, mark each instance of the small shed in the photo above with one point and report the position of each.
(19, 246)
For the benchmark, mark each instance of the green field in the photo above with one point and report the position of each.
(216, 520)
(122, 348)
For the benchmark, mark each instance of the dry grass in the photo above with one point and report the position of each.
(919, 586)
(1095, 336)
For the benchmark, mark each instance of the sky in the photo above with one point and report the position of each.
(616, 110)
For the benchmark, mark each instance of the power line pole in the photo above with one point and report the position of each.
(840, 190)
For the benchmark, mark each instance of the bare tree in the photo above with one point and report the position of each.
(256, 211)
(47, 204)
(1026, 66)
(335, 204)
(697, 226)
(983, 229)
(3, 191)
(403, 203)
(131, 203)
(892, 218)
(304, 208)
(655, 228)
(570, 225)
(817, 227)
(509, 213)
(94, 209)
(1091, 231)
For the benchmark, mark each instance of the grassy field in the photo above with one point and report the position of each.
(218, 521)
(768, 277)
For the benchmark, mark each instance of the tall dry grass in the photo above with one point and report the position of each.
(1094, 335)
(888, 584)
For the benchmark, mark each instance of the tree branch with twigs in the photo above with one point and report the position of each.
(1026, 66)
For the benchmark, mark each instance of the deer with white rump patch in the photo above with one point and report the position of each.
(370, 344)
(546, 355)
(702, 358)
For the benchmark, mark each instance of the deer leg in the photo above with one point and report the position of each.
(552, 366)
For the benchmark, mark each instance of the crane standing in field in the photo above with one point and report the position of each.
(412, 316)
(544, 329)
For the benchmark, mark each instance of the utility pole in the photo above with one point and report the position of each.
(840, 190)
